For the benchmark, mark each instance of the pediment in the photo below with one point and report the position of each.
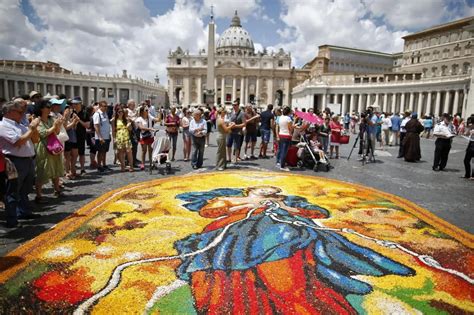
(229, 65)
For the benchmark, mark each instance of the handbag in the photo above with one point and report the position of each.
(10, 169)
(344, 139)
(63, 136)
(53, 145)
(147, 133)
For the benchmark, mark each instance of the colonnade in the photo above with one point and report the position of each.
(260, 90)
(422, 102)
(92, 92)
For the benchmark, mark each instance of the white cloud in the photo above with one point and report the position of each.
(16, 32)
(116, 35)
(226, 8)
(409, 14)
(343, 23)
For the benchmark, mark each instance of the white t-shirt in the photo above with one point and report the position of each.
(283, 125)
(141, 122)
(386, 123)
(185, 122)
(101, 119)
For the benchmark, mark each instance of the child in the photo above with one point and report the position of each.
(316, 147)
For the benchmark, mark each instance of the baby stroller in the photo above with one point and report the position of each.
(160, 149)
(308, 159)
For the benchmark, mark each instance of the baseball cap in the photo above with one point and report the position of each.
(77, 100)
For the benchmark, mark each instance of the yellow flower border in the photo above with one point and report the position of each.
(72, 222)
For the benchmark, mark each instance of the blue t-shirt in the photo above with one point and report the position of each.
(428, 123)
(396, 121)
(265, 119)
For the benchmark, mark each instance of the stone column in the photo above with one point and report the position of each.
(367, 101)
(359, 103)
(257, 92)
(385, 102)
(447, 100)
(428, 103)
(394, 103)
(170, 91)
(117, 96)
(410, 102)
(215, 91)
(324, 96)
(15, 87)
(6, 93)
(25, 84)
(402, 103)
(464, 101)
(270, 91)
(81, 94)
(420, 104)
(351, 103)
(234, 88)
(344, 105)
(456, 102)
(287, 92)
(223, 90)
(377, 100)
(199, 90)
(242, 90)
(437, 103)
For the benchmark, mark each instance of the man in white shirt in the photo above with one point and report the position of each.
(102, 135)
(403, 132)
(444, 133)
(198, 130)
(17, 145)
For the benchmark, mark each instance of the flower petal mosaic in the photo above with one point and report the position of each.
(243, 242)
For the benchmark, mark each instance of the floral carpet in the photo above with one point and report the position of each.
(243, 242)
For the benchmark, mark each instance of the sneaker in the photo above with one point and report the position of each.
(278, 164)
(221, 169)
(100, 169)
(285, 169)
(83, 172)
(253, 157)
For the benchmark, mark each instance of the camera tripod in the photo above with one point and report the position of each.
(367, 152)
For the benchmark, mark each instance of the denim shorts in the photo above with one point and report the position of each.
(265, 135)
(235, 139)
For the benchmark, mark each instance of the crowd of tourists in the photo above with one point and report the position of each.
(53, 139)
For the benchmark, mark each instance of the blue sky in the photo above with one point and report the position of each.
(137, 35)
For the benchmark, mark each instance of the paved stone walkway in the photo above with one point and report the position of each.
(445, 194)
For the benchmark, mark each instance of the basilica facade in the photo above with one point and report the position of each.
(240, 73)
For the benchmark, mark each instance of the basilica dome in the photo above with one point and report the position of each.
(235, 40)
